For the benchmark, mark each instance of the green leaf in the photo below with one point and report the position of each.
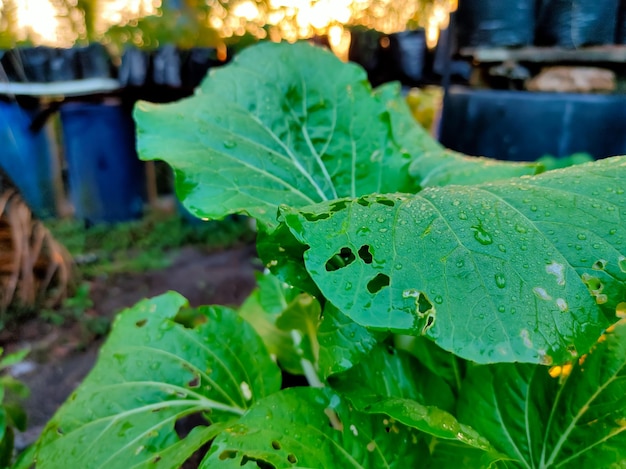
(343, 343)
(152, 373)
(543, 422)
(432, 164)
(453, 454)
(444, 364)
(445, 167)
(281, 124)
(261, 310)
(523, 270)
(391, 373)
(393, 383)
(13, 358)
(314, 428)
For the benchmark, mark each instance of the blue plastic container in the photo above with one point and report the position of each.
(106, 179)
(26, 158)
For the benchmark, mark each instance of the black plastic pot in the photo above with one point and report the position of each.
(576, 23)
(408, 50)
(620, 32)
(45, 64)
(496, 22)
(523, 126)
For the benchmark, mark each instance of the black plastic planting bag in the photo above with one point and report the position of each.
(575, 23)
(620, 33)
(496, 22)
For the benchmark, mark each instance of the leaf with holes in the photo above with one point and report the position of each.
(525, 269)
(153, 377)
(577, 420)
(308, 427)
(281, 124)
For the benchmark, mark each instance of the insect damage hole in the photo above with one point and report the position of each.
(365, 254)
(342, 259)
(378, 283)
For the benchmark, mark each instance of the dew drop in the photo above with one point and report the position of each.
(500, 280)
(502, 247)
(520, 229)
(582, 236)
(481, 235)
(398, 266)
(621, 262)
(229, 144)
(463, 216)
(380, 219)
(348, 286)
(501, 308)
(438, 299)
(460, 263)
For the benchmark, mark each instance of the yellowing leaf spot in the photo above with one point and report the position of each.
(621, 423)
(371, 446)
(620, 310)
(558, 270)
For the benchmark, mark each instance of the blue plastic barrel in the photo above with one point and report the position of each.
(26, 158)
(106, 179)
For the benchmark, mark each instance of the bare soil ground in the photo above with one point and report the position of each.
(63, 355)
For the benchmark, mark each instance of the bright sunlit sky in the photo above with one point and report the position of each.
(44, 23)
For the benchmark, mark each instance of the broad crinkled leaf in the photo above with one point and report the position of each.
(314, 428)
(343, 343)
(393, 383)
(525, 269)
(261, 310)
(151, 373)
(434, 165)
(440, 362)
(542, 422)
(282, 123)
(390, 373)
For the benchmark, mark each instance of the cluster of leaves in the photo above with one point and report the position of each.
(420, 292)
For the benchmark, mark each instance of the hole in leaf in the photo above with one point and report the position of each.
(292, 458)
(430, 320)
(365, 254)
(339, 205)
(363, 201)
(184, 425)
(378, 283)
(276, 445)
(259, 463)
(423, 304)
(315, 216)
(195, 382)
(227, 454)
(156, 459)
(344, 258)
(60, 431)
(141, 323)
(387, 202)
(391, 350)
